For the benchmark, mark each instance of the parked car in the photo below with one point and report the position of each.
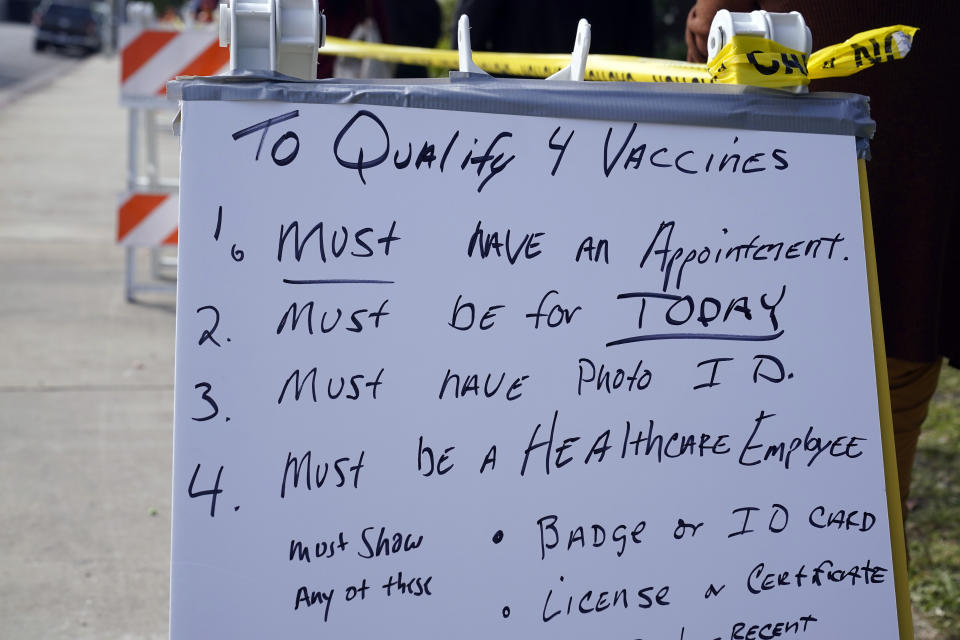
(62, 23)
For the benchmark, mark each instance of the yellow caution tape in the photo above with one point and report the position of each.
(760, 63)
(633, 69)
(862, 50)
(334, 46)
(744, 60)
(763, 63)
(533, 65)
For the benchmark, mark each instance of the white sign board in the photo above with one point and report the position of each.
(445, 374)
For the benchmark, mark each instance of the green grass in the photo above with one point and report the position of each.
(933, 524)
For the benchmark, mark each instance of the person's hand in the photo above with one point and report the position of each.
(699, 19)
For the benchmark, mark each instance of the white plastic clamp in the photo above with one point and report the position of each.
(787, 29)
(274, 35)
(464, 50)
(578, 59)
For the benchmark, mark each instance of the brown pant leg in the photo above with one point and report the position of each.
(911, 387)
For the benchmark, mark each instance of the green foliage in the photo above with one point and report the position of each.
(933, 522)
(161, 6)
(670, 18)
(447, 20)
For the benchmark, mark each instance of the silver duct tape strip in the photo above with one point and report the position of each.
(708, 105)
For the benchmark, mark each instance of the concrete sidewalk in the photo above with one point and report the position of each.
(86, 380)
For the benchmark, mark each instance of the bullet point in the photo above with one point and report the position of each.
(498, 536)
(506, 612)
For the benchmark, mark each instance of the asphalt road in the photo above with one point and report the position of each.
(21, 68)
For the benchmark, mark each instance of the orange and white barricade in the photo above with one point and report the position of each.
(148, 220)
(147, 214)
(150, 57)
